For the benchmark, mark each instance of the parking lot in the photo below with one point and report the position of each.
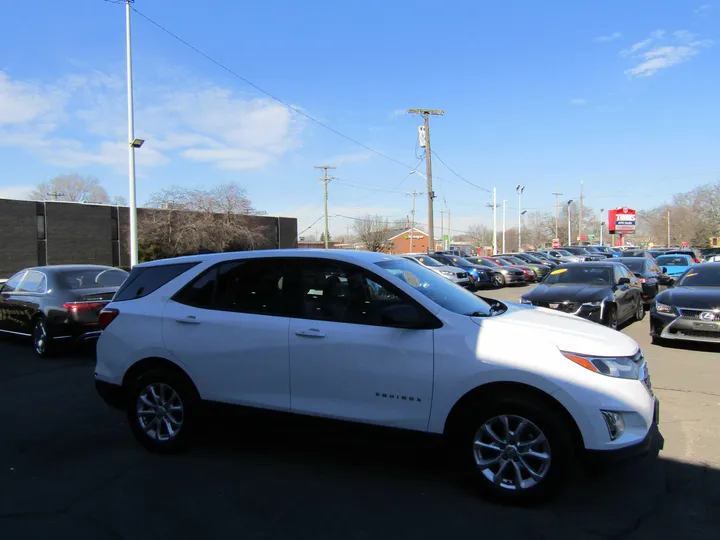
(69, 468)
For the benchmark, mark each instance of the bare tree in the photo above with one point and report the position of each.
(479, 235)
(373, 232)
(184, 220)
(71, 187)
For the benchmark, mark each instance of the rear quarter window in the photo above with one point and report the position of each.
(145, 280)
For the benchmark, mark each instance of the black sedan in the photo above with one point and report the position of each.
(534, 259)
(56, 303)
(690, 310)
(650, 275)
(603, 292)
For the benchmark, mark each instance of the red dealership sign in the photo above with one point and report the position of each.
(622, 220)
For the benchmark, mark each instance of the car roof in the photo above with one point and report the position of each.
(60, 267)
(346, 255)
(607, 263)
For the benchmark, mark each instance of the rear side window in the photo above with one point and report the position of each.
(147, 279)
(34, 282)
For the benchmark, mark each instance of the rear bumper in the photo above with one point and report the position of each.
(111, 394)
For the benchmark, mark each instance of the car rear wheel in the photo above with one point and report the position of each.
(161, 410)
(42, 342)
(517, 451)
(498, 280)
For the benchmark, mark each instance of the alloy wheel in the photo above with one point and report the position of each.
(640, 313)
(160, 412)
(40, 337)
(512, 452)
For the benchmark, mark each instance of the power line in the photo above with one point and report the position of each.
(270, 95)
(460, 177)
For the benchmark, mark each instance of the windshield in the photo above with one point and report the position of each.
(486, 262)
(576, 250)
(438, 289)
(701, 276)
(460, 261)
(564, 252)
(95, 278)
(591, 275)
(427, 261)
(533, 258)
(503, 262)
(636, 266)
(673, 260)
(515, 260)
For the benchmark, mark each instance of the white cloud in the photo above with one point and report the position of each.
(609, 37)
(15, 192)
(578, 101)
(397, 112)
(81, 120)
(682, 46)
(349, 158)
(703, 9)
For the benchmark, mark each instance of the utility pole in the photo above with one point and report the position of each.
(425, 138)
(602, 224)
(557, 213)
(442, 228)
(668, 229)
(520, 190)
(569, 208)
(503, 226)
(412, 226)
(325, 179)
(449, 231)
(580, 226)
(132, 144)
(494, 206)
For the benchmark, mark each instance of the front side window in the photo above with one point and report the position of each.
(34, 282)
(12, 283)
(438, 289)
(330, 291)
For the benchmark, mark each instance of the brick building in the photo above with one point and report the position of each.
(47, 232)
(400, 239)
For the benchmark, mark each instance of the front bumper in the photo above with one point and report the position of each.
(683, 328)
(637, 450)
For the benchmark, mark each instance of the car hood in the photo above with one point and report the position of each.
(568, 332)
(691, 297)
(573, 292)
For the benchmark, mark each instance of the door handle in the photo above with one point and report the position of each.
(190, 319)
(310, 334)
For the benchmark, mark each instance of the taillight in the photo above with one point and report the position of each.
(79, 307)
(696, 261)
(642, 280)
(107, 316)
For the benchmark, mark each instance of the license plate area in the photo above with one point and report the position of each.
(706, 326)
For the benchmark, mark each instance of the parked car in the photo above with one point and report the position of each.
(507, 275)
(529, 273)
(540, 269)
(600, 250)
(638, 253)
(689, 310)
(651, 276)
(480, 276)
(249, 328)
(562, 256)
(537, 257)
(694, 254)
(602, 292)
(584, 254)
(656, 252)
(456, 275)
(53, 304)
(674, 265)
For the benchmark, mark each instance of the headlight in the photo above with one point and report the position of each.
(447, 273)
(622, 368)
(592, 304)
(525, 301)
(664, 309)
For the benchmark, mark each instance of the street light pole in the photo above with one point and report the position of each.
(520, 190)
(569, 223)
(602, 223)
(668, 229)
(131, 141)
(503, 226)
(494, 221)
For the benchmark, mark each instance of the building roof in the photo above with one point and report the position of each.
(394, 233)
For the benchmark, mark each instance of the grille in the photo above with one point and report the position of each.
(566, 308)
(690, 313)
(462, 275)
(518, 273)
(698, 334)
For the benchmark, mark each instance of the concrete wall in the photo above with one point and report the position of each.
(75, 233)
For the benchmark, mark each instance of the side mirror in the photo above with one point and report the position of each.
(403, 316)
(623, 281)
(671, 284)
(664, 269)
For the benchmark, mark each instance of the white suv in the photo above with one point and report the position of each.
(521, 392)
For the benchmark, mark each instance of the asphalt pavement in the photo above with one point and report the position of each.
(69, 468)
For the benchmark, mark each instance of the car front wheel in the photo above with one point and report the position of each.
(498, 281)
(611, 318)
(640, 310)
(518, 451)
(161, 410)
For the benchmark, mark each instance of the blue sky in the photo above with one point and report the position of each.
(619, 94)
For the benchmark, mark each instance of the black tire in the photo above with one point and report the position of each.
(183, 420)
(611, 318)
(640, 310)
(498, 280)
(560, 449)
(41, 339)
